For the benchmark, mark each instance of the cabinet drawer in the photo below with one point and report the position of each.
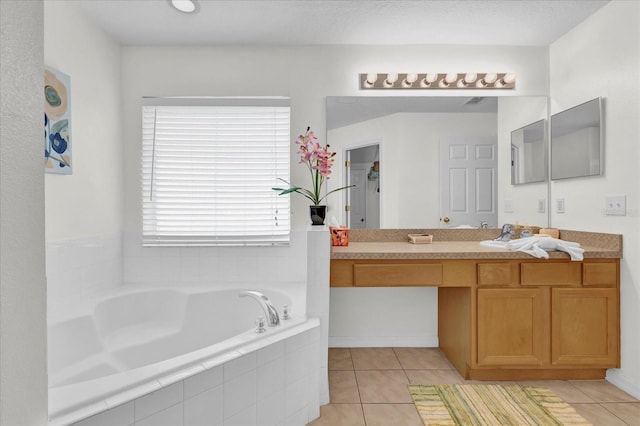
(389, 275)
(494, 274)
(602, 274)
(341, 273)
(551, 273)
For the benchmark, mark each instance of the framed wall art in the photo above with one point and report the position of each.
(57, 122)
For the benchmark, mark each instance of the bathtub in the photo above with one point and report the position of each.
(181, 357)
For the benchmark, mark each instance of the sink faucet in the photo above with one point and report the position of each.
(506, 233)
(269, 310)
(484, 225)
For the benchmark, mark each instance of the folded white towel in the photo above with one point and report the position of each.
(538, 246)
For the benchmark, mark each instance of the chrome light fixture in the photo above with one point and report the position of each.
(383, 81)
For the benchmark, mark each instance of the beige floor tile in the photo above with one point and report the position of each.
(383, 386)
(565, 390)
(374, 359)
(343, 387)
(340, 359)
(434, 377)
(422, 358)
(391, 414)
(602, 391)
(629, 412)
(597, 415)
(340, 415)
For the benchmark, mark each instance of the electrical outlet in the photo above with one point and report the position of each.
(559, 205)
(542, 205)
(616, 205)
(508, 206)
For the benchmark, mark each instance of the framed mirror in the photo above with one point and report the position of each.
(577, 141)
(528, 154)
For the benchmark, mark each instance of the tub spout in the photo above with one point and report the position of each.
(269, 310)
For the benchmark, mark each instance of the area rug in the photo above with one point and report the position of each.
(492, 405)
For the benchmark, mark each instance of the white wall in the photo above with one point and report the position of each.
(84, 210)
(409, 160)
(23, 338)
(601, 57)
(514, 113)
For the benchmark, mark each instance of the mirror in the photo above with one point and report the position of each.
(528, 159)
(409, 131)
(576, 141)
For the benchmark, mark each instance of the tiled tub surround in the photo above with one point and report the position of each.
(131, 368)
(79, 268)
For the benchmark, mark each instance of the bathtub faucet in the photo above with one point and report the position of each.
(269, 310)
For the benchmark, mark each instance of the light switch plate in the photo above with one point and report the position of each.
(559, 205)
(542, 205)
(616, 205)
(508, 206)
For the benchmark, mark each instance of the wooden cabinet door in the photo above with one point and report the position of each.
(584, 327)
(512, 326)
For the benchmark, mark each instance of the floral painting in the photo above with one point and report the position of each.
(57, 122)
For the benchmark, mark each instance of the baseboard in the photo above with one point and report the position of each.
(615, 377)
(383, 341)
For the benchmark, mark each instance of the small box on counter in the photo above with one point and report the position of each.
(420, 238)
(339, 236)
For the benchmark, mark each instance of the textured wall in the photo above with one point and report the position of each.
(23, 337)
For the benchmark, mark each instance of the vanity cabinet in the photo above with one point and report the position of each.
(512, 319)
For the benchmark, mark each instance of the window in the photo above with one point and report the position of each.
(208, 166)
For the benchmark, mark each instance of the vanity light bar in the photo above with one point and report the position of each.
(437, 81)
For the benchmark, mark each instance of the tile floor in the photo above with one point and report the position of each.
(368, 387)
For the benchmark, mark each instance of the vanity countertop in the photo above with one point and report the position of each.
(450, 250)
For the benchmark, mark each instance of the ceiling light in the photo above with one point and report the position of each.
(185, 6)
(438, 81)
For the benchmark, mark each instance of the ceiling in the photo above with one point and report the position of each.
(312, 22)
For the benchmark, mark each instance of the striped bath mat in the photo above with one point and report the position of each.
(491, 405)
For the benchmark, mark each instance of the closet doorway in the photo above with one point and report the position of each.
(363, 200)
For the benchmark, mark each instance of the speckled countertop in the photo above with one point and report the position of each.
(393, 245)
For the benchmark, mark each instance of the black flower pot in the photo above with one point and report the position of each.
(318, 213)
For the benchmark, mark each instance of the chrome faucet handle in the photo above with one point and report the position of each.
(484, 225)
(260, 325)
(285, 312)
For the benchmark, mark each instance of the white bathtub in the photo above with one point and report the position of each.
(166, 356)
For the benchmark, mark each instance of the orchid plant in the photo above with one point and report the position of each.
(319, 161)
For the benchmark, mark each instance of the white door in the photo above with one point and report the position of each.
(468, 182)
(358, 198)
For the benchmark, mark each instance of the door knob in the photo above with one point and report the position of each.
(362, 220)
(445, 219)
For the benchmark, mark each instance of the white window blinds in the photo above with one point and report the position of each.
(208, 166)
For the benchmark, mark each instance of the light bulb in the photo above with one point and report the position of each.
(371, 79)
(490, 78)
(428, 79)
(451, 78)
(509, 78)
(390, 80)
(409, 80)
(470, 78)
